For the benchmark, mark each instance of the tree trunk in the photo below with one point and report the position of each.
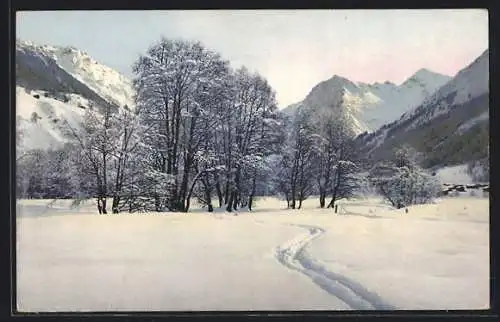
(293, 196)
(174, 199)
(237, 190)
(219, 192)
(332, 202)
(157, 203)
(208, 194)
(235, 200)
(250, 198)
(229, 202)
(177, 122)
(99, 208)
(184, 189)
(103, 202)
(227, 194)
(322, 200)
(114, 206)
(334, 194)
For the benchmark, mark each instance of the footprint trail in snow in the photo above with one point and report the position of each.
(292, 254)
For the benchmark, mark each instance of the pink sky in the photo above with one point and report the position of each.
(293, 49)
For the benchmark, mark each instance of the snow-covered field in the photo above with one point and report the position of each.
(369, 256)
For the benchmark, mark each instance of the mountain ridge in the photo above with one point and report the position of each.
(449, 127)
(55, 83)
(97, 76)
(370, 105)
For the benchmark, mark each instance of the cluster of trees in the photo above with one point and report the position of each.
(402, 181)
(317, 159)
(46, 174)
(210, 128)
(201, 130)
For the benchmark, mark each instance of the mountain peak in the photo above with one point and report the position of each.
(426, 76)
(338, 78)
(424, 71)
(334, 83)
(50, 49)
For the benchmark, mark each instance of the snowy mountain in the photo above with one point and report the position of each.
(449, 127)
(369, 106)
(56, 83)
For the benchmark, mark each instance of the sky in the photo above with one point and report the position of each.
(293, 49)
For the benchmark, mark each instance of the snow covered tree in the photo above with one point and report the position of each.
(406, 156)
(126, 159)
(106, 144)
(250, 129)
(95, 140)
(402, 182)
(46, 173)
(57, 180)
(272, 136)
(346, 181)
(198, 129)
(335, 167)
(175, 81)
(296, 177)
(31, 180)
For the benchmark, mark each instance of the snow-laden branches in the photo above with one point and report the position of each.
(402, 182)
(209, 127)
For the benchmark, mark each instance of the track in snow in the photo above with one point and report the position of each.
(292, 254)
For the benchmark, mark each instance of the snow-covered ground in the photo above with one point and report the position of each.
(369, 256)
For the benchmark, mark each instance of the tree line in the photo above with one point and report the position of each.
(202, 130)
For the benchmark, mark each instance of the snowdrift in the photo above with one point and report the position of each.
(369, 256)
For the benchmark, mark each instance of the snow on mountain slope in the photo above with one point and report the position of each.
(464, 127)
(58, 83)
(454, 175)
(454, 119)
(469, 83)
(291, 109)
(369, 106)
(422, 84)
(396, 100)
(40, 118)
(105, 81)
